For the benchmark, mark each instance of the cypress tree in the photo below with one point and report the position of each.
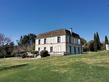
(106, 40)
(95, 42)
(98, 41)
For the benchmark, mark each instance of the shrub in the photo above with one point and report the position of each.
(1, 55)
(24, 55)
(85, 48)
(35, 52)
(44, 53)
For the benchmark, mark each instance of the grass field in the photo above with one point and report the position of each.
(90, 67)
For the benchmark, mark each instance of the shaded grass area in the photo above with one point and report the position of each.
(13, 66)
(90, 67)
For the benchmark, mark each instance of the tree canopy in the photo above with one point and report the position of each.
(6, 46)
(27, 40)
(83, 41)
(4, 40)
(106, 40)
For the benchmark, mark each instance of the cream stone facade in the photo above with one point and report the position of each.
(59, 42)
(107, 46)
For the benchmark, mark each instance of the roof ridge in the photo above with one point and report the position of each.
(52, 31)
(58, 32)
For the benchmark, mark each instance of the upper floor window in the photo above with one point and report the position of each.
(75, 41)
(69, 39)
(39, 41)
(58, 39)
(44, 41)
(79, 41)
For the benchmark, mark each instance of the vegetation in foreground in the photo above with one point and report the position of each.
(90, 67)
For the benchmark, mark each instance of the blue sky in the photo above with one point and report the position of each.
(20, 17)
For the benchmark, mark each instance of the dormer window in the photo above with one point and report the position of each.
(58, 39)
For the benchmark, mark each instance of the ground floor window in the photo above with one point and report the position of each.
(74, 50)
(39, 49)
(44, 48)
(79, 50)
(70, 49)
(51, 49)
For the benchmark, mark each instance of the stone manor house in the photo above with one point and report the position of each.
(59, 42)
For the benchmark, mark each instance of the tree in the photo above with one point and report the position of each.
(26, 43)
(91, 45)
(89, 42)
(106, 40)
(6, 46)
(98, 41)
(95, 42)
(4, 40)
(83, 41)
(27, 40)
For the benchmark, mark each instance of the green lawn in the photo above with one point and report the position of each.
(90, 67)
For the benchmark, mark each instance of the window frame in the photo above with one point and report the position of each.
(45, 41)
(44, 48)
(51, 49)
(58, 39)
(39, 41)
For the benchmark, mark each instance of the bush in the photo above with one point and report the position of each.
(44, 53)
(85, 48)
(24, 55)
(1, 55)
(35, 52)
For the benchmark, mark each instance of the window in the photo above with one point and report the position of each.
(58, 39)
(39, 49)
(44, 41)
(70, 49)
(44, 48)
(79, 41)
(75, 50)
(78, 50)
(51, 49)
(74, 40)
(69, 39)
(39, 41)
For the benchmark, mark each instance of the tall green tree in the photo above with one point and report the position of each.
(106, 40)
(98, 41)
(27, 40)
(25, 43)
(8, 49)
(95, 42)
(91, 45)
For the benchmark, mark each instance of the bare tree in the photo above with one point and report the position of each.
(4, 40)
